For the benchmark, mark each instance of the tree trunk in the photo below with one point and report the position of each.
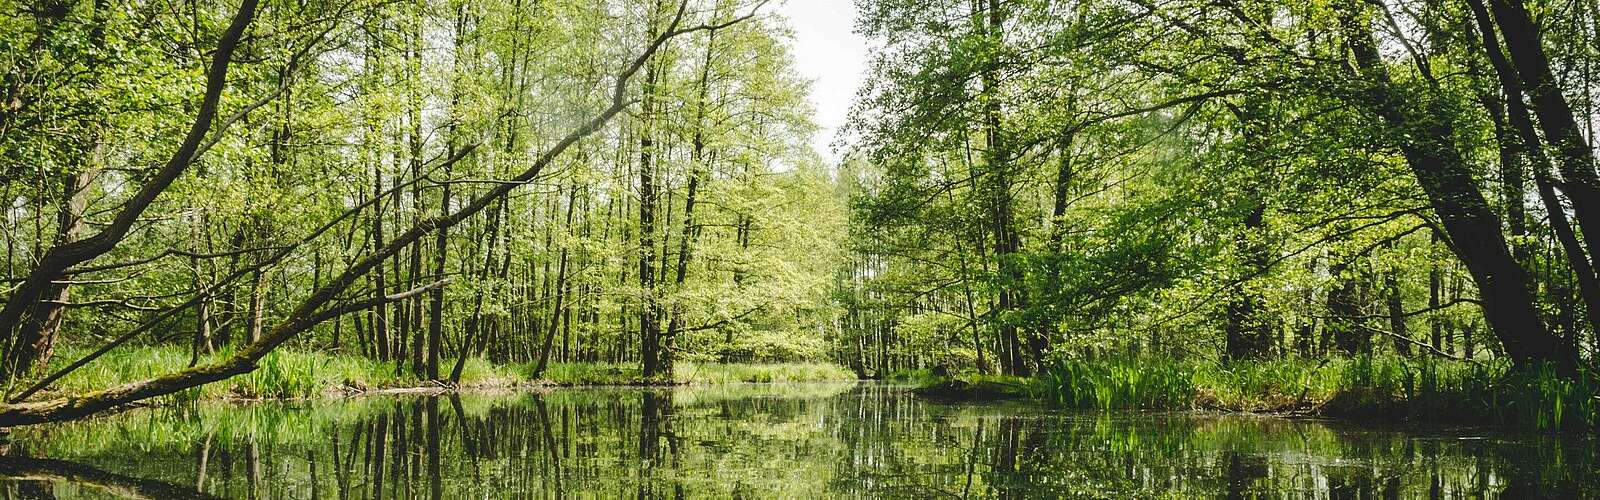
(475, 322)
(1472, 228)
(52, 266)
(558, 307)
(36, 339)
(1435, 290)
(1519, 142)
(315, 308)
(380, 311)
(687, 236)
(1058, 213)
(1248, 334)
(1006, 240)
(441, 245)
(253, 333)
(1397, 310)
(649, 325)
(1342, 329)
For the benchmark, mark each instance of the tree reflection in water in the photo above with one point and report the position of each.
(758, 441)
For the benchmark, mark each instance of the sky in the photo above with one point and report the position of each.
(828, 51)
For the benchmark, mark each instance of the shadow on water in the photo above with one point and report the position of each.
(763, 441)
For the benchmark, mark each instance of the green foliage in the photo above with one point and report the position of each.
(1534, 397)
(915, 376)
(345, 116)
(1188, 183)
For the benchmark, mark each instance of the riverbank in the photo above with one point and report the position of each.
(1388, 388)
(1391, 388)
(827, 440)
(294, 374)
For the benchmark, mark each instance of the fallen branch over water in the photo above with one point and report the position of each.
(46, 469)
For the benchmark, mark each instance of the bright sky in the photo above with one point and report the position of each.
(828, 51)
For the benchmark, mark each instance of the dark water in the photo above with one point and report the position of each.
(754, 441)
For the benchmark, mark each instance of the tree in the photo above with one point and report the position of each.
(322, 303)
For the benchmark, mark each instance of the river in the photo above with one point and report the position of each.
(765, 441)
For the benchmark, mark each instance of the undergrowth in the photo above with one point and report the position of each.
(1419, 389)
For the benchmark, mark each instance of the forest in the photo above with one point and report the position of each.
(1333, 207)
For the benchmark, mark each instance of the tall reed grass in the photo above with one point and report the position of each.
(1419, 389)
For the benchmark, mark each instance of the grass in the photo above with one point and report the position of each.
(297, 374)
(283, 374)
(691, 373)
(1418, 389)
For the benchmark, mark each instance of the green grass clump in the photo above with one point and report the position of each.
(122, 366)
(1417, 388)
(1118, 384)
(1534, 397)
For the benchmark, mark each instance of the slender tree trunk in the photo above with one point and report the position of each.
(202, 329)
(475, 322)
(436, 297)
(414, 145)
(649, 325)
(1058, 230)
(1342, 327)
(380, 311)
(1397, 310)
(253, 332)
(1006, 240)
(441, 239)
(557, 309)
(686, 238)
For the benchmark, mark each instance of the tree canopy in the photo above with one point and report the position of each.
(1226, 180)
(1023, 183)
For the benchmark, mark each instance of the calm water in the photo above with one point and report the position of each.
(757, 441)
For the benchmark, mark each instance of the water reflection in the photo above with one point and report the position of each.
(759, 442)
